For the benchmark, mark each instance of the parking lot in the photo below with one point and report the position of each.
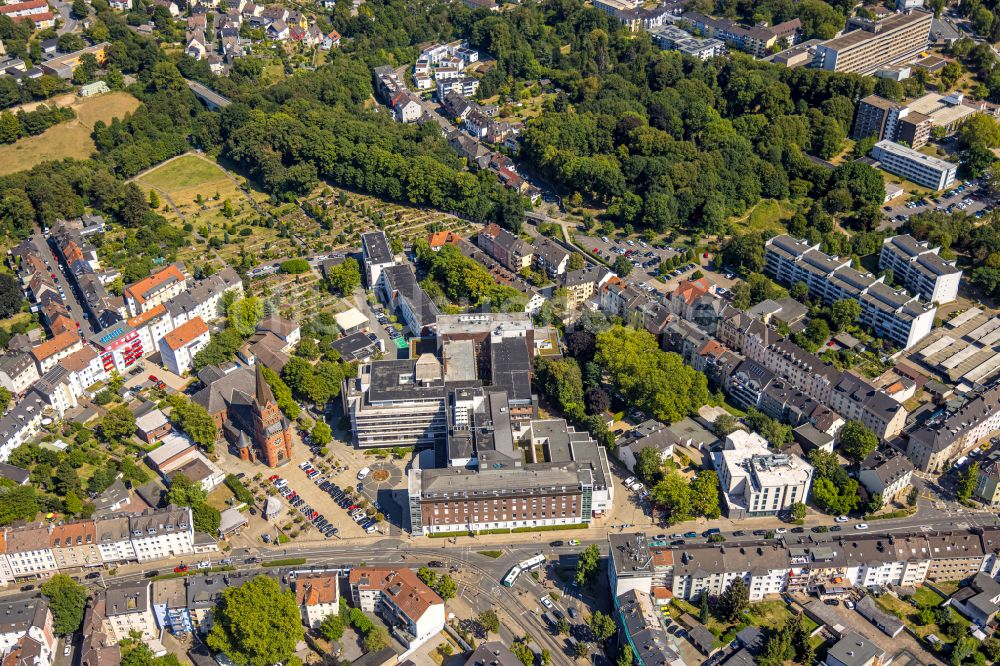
(645, 257)
(970, 199)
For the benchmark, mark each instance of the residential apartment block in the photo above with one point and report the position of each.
(756, 40)
(414, 610)
(128, 607)
(880, 43)
(925, 170)
(318, 596)
(756, 481)
(513, 253)
(886, 472)
(919, 267)
(27, 632)
(946, 437)
(912, 122)
(177, 348)
(158, 288)
(890, 313)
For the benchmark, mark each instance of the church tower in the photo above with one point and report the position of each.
(271, 432)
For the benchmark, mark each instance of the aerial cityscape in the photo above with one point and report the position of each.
(500, 332)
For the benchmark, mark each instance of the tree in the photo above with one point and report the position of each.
(597, 400)
(134, 652)
(580, 650)
(10, 296)
(563, 626)
(195, 420)
(346, 277)
(294, 266)
(79, 9)
(799, 291)
(185, 492)
(332, 627)
(734, 601)
(67, 600)
(857, 441)
(672, 495)
(705, 494)
(648, 464)
(245, 314)
(522, 652)
(844, 313)
(376, 639)
(206, 518)
(725, 424)
(991, 648)
(321, 434)
(446, 587)
(626, 658)
(602, 625)
(256, 624)
(489, 621)
(118, 424)
(587, 565)
(622, 266)
(576, 262)
(703, 607)
(967, 479)
(798, 511)
(154, 199)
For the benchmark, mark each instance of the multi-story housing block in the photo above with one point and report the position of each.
(114, 539)
(318, 596)
(74, 544)
(18, 372)
(158, 288)
(944, 438)
(886, 472)
(891, 313)
(27, 632)
(397, 594)
(128, 608)
(919, 267)
(922, 169)
(756, 481)
(29, 552)
(880, 43)
(512, 252)
(157, 534)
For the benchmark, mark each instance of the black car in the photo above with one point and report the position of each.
(556, 544)
(436, 563)
(678, 542)
(91, 576)
(798, 530)
(253, 511)
(27, 588)
(832, 602)
(835, 528)
(759, 533)
(324, 486)
(151, 574)
(739, 533)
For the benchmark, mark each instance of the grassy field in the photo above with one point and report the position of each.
(69, 139)
(769, 215)
(187, 177)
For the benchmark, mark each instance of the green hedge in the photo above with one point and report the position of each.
(287, 562)
(239, 490)
(902, 513)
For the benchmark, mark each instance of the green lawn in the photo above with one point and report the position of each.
(769, 215)
(182, 173)
(926, 597)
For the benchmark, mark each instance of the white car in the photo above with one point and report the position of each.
(280, 483)
(365, 471)
(204, 565)
(67, 649)
(849, 605)
(547, 602)
(861, 526)
(629, 481)
(780, 530)
(841, 519)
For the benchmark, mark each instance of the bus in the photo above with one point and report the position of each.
(532, 562)
(511, 576)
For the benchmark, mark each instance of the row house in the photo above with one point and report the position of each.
(415, 610)
(162, 534)
(937, 442)
(773, 567)
(511, 251)
(48, 354)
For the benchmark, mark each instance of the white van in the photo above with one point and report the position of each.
(365, 471)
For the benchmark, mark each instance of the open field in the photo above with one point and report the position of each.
(769, 215)
(186, 177)
(69, 139)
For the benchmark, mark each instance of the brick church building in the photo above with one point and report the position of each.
(243, 406)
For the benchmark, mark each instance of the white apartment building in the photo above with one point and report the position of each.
(887, 473)
(919, 267)
(203, 299)
(163, 533)
(26, 627)
(376, 254)
(114, 539)
(17, 372)
(403, 598)
(49, 353)
(891, 313)
(85, 370)
(177, 348)
(318, 596)
(21, 423)
(128, 608)
(756, 481)
(29, 552)
(925, 170)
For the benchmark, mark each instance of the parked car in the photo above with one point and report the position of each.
(180, 568)
(363, 474)
(547, 602)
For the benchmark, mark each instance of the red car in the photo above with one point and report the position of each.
(273, 478)
(352, 507)
(181, 568)
(153, 379)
